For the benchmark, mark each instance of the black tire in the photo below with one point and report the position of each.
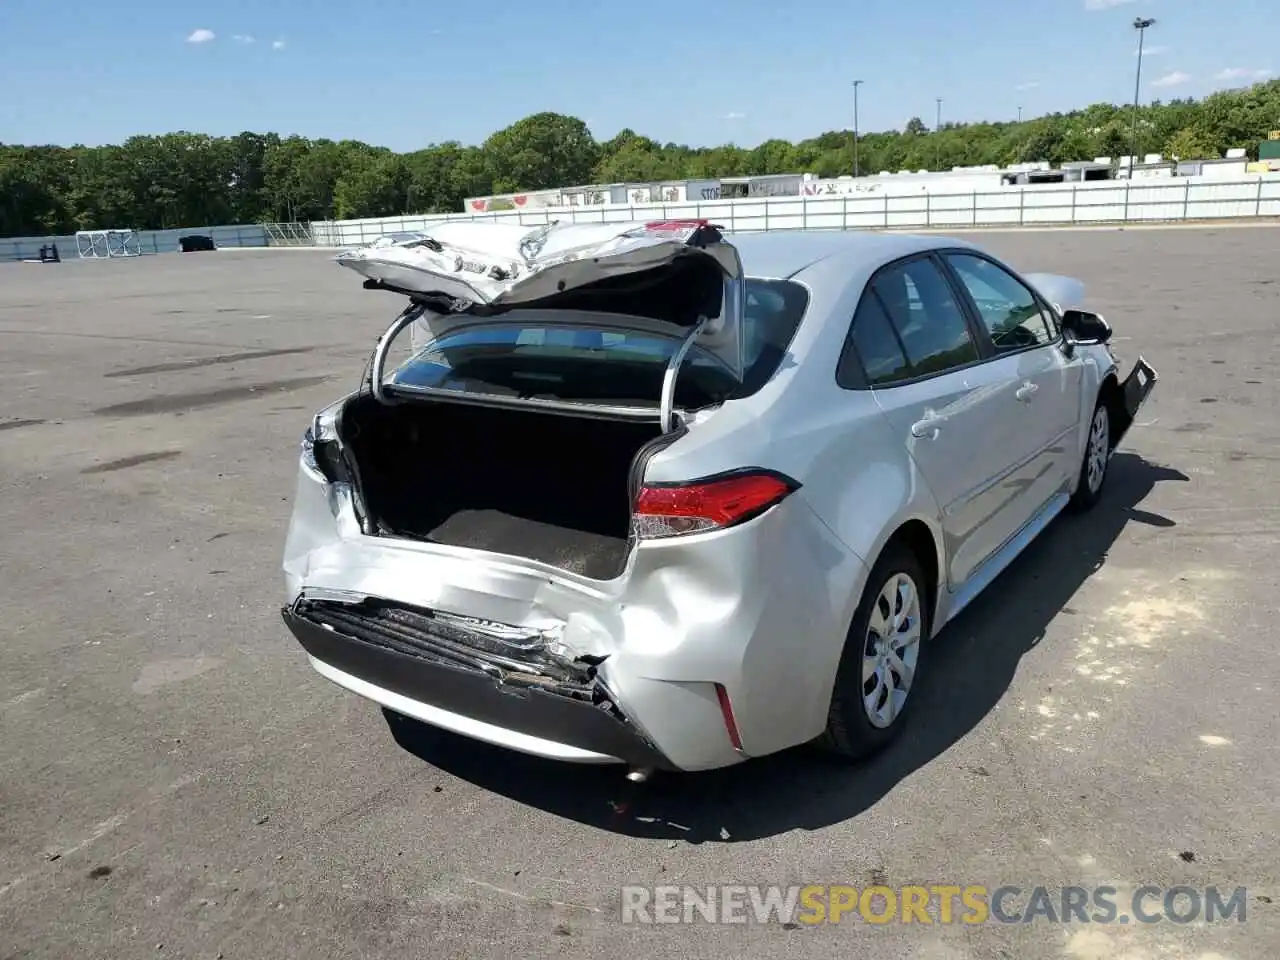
(850, 731)
(1087, 492)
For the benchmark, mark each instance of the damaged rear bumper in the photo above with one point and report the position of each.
(508, 691)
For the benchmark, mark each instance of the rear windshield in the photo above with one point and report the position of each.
(522, 358)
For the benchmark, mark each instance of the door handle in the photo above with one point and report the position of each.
(926, 429)
(1025, 391)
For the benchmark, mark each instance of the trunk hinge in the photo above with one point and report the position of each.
(666, 410)
(377, 367)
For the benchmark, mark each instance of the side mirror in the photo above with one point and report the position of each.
(1068, 343)
(1085, 327)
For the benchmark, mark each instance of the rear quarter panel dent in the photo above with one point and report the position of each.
(758, 608)
(311, 527)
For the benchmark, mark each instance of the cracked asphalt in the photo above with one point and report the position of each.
(175, 781)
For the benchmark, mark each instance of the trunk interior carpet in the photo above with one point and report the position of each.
(585, 554)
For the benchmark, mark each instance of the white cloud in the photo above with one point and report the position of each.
(1151, 51)
(1029, 85)
(734, 115)
(201, 36)
(242, 38)
(1174, 79)
(277, 44)
(1241, 73)
(1104, 4)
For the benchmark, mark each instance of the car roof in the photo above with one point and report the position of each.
(784, 253)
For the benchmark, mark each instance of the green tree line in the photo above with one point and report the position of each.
(190, 179)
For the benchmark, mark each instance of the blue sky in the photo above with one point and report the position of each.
(407, 73)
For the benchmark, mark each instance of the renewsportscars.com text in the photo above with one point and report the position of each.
(814, 904)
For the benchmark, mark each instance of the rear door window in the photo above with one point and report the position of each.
(909, 324)
(926, 315)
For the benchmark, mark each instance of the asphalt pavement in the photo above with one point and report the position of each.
(176, 781)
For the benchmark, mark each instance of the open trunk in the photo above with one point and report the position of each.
(549, 487)
(453, 449)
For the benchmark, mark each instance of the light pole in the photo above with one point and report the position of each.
(856, 84)
(1140, 24)
(937, 142)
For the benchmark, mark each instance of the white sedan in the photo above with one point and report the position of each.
(649, 494)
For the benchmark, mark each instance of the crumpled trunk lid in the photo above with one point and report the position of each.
(464, 270)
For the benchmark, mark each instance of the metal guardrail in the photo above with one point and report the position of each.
(1104, 202)
(166, 241)
(1089, 203)
(289, 234)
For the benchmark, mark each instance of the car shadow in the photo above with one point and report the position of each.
(971, 666)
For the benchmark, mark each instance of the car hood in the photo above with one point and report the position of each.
(1065, 293)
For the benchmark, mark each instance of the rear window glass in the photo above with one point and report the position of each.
(877, 345)
(578, 363)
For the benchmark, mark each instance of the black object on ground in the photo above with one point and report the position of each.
(195, 242)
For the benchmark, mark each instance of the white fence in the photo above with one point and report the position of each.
(1110, 201)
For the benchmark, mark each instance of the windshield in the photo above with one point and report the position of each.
(544, 360)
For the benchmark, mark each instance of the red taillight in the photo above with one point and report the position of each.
(669, 510)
